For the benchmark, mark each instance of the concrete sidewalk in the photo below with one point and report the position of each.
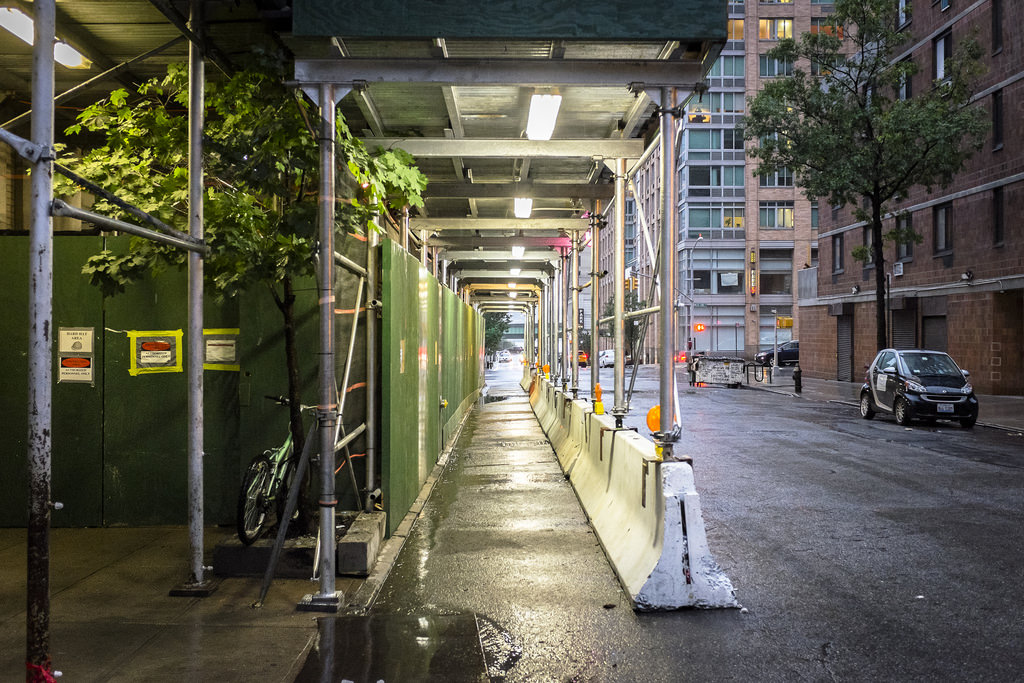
(1000, 412)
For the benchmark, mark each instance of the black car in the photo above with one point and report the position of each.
(918, 384)
(789, 354)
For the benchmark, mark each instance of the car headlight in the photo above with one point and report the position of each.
(967, 389)
(911, 385)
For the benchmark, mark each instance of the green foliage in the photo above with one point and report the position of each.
(261, 162)
(495, 325)
(848, 136)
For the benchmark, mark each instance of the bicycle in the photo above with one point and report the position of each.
(265, 485)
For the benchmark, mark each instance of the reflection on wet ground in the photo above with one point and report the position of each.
(394, 647)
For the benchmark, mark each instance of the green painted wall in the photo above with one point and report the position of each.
(424, 328)
(119, 447)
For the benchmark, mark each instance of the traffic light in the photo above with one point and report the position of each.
(698, 327)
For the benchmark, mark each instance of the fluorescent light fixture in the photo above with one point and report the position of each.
(524, 206)
(518, 252)
(512, 285)
(515, 271)
(543, 112)
(513, 295)
(21, 25)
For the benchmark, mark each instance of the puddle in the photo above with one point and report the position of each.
(493, 399)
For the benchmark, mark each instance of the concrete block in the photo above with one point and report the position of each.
(358, 548)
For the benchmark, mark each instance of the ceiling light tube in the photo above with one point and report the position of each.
(523, 207)
(22, 26)
(543, 111)
(515, 271)
(518, 252)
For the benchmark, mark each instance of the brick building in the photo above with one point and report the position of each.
(961, 289)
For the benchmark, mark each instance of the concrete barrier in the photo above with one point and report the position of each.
(646, 513)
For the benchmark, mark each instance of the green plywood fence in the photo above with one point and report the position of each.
(119, 445)
(432, 349)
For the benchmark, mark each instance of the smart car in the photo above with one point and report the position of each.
(918, 384)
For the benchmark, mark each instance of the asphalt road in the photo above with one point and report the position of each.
(860, 551)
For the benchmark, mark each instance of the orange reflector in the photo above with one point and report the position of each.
(547, 368)
(597, 392)
(654, 418)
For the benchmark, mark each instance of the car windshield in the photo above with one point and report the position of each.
(931, 365)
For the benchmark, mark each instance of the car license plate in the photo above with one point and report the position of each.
(944, 407)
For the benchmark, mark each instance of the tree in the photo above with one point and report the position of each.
(261, 162)
(849, 136)
(495, 325)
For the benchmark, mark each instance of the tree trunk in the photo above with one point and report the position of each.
(881, 337)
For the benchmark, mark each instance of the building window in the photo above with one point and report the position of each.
(837, 253)
(997, 119)
(730, 66)
(774, 29)
(714, 139)
(998, 216)
(734, 29)
(997, 26)
(781, 178)
(776, 215)
(942, 229)
(713, 177)
(715, 221)
(903, 91)
(943, 4)
(905, 243)
(814, 215)
(903, 15)
(942, 49)
(820, 68)
(869, 242)
(770, 68)
(775, 2)
(824, 25)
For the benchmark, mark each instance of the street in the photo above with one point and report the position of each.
(860, 551)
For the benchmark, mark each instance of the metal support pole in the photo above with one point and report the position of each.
(595, 299)
(619, 285)
(669, 230)
(405, 227)
(372, 242)
(423, 248)
(563, 307)
(40, 345)
(196, 117)
(328, 599)
(574, 287)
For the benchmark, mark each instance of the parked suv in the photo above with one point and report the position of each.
(789, 354)
(918, 384)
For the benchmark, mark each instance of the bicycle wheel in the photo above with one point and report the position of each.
(253, 499)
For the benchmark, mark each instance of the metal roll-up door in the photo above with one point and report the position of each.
(844, 348)
(904, 329)
(933, 332)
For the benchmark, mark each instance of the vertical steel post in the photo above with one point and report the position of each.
(669, 230)
(619, 288)
(573, 318)
(40, 345)
(196, 117)
(327, 598)
(549, 317)
(563, 307)
(595, 299)
(405, 227)
(423, 248)
(372, 279)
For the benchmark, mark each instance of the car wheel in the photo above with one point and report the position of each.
(902, 411)
(968, 422)
(867, 410)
